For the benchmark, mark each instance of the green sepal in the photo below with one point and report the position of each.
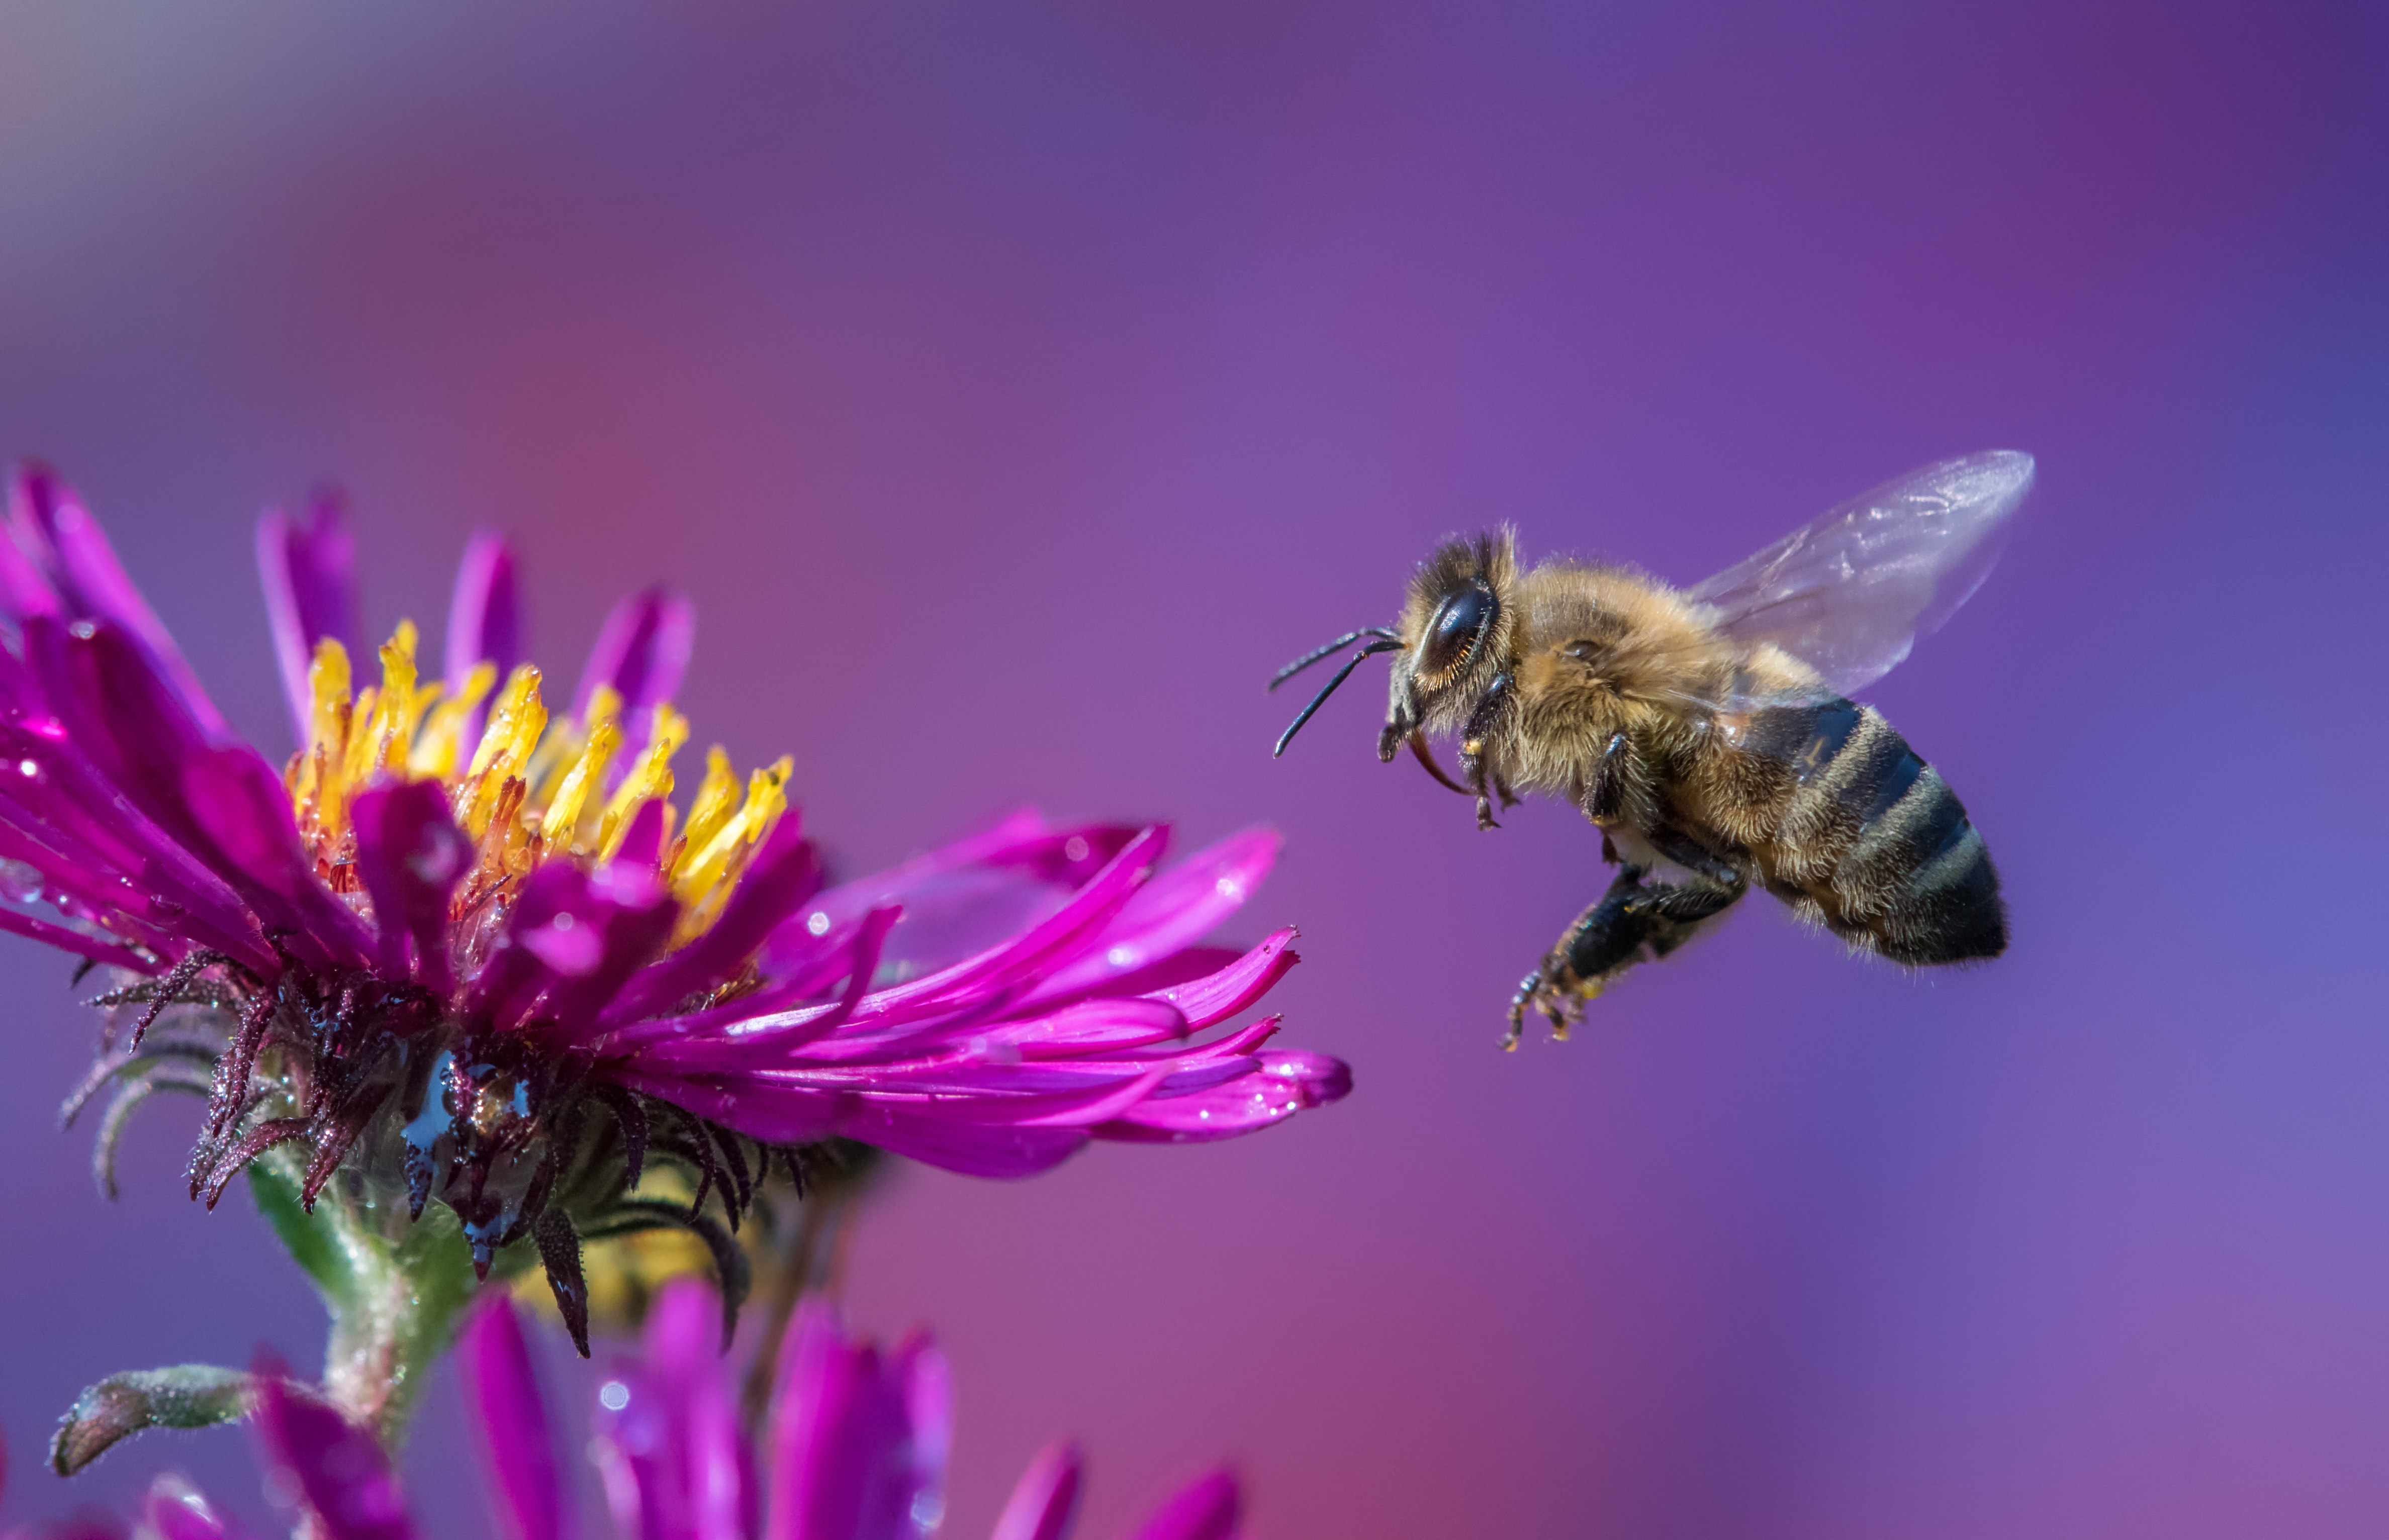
(187, 1396)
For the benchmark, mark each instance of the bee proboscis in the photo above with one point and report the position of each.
(1708, 731)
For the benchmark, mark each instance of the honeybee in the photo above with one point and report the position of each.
(1707, 731)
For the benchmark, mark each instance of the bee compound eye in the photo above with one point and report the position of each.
(1457, 624)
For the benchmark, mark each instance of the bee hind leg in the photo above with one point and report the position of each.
(1632, 922)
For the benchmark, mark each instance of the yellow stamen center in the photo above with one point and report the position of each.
(531, 789)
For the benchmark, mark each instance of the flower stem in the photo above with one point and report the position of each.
(395, 1290)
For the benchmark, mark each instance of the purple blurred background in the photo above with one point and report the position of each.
(1015, 387)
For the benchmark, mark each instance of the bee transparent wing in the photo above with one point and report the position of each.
(1849, 594)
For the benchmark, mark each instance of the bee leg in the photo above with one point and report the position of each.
(1598, 945)
(1632, 922)
(1605, 798)
(1471, 747)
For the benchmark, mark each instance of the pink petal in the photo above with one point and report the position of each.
(238, 801)
(845, 1463)
(784, 873)
(1236, 987)
(305, 565)
(641, 652)
(69, 940)
(774, 1114)
(1207, 1508)
(1060, 933)
(1285, 1083)
(643, 842)
(510, 1422)
(1045, 1504)
(410, 855)
(50, 523)
(573, 938)
(484, 616)
(174, 1509)
(965, 896)
(753, 1032)
(65, 802)
(1001, 1151)
(1177, 908)
(667, 1431)
(333, 1467)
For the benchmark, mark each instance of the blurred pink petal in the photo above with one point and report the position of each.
(174, 1509)
(304, 565)
(641, 652)
(857, 1446)
(1044, 1502)
(510, 1423)
(1207, 1509)
(328, 1466)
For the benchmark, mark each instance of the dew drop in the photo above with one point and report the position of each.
(613, 1396)
(29, 767)
(20, 881)
(1121, 957)
(1075, 847)
(817, 923)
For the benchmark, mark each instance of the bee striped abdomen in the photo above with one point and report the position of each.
(1872, 836)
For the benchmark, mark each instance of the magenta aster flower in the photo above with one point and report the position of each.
(459, 947)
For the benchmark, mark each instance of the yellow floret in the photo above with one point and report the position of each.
(717, 799)
(516, 723)
(650, 779)
(588, 772)
(437, 747)
(704, 876)
(531, 788)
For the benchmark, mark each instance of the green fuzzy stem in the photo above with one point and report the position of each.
(396, 1291)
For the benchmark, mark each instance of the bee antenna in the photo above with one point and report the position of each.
(1319, 655)
(1388, 644)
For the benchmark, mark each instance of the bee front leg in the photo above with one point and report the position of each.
(1471, 747)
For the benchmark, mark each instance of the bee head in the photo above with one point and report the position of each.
(1454, 627)
(1454, 634)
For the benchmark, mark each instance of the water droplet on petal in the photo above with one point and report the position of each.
(613, 1396)
(20, 881)
(817, 923)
